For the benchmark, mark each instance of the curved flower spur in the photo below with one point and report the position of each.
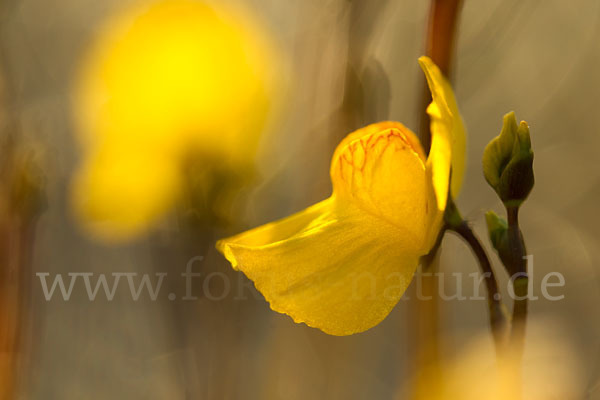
(342, 264)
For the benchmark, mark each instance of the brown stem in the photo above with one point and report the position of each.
(16, 246)
(443, 20)
(440, 37)
(21, 202)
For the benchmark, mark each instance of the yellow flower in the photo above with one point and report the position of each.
(164, 83)
(342, 264)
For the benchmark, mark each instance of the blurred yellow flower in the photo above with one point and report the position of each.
(550, 368)
(342, 264)
(163, 83)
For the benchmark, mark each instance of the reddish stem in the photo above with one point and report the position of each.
(441, 32)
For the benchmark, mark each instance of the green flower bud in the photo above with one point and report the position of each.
(500, 238)
(508, 162)
(497, 229)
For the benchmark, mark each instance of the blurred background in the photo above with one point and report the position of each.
(340, 65)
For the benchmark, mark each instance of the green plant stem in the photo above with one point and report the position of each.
(429, 258)
(496, 314)
(520, 281)
(520, 285)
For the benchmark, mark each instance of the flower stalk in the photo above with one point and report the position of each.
(458, 225)
(520, 280)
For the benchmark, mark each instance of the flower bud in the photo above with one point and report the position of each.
(497, 228)
(508, 162)
(498, 233)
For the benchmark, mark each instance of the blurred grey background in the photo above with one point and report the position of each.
(538, 58)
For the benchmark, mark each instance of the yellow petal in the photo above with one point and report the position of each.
(331, 266)
(381, 169)
(448, 137)
(342, 264)
(117, 197)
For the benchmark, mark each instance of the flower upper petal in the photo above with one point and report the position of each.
(448, 138)
(381, 169)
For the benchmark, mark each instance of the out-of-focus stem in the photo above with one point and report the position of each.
(439, 46)
(441, 32)
(15, 251)
(425, 337)
(21, 202)
(9, 332)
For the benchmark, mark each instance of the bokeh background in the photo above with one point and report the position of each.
(345, 63)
